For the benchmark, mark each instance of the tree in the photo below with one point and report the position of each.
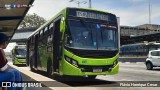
(32, 20)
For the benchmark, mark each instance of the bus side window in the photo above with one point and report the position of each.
(51, 27)
(46, 31)
(41, 34)
(41, 38)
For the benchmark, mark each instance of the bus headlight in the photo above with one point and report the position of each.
(115, 63)
(18, 56)
(71, 61)
(74, 63)
(68, 59)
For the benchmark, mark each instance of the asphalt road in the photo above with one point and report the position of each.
(127, 72)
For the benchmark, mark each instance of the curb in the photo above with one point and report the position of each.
(133, 62)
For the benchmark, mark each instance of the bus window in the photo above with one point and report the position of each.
(84, 35)
(20, 53)
(51, 27)
(45, 30)
(41, 34)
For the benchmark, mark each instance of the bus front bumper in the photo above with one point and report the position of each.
(75, 71)
(19, 61)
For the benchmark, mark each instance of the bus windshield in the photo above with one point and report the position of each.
(20, 53)
(92, 36)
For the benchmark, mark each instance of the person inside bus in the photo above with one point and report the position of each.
(7, 74)
(85, 38)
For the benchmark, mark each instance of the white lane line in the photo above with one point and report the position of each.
(138, 70)
(112, 78)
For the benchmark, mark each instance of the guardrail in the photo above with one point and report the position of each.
(132, 59)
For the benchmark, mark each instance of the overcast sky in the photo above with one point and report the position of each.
(131, 12)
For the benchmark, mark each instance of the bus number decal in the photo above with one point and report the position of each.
(92, 15)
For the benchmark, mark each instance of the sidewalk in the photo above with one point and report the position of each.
(42, 79)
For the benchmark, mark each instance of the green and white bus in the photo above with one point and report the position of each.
(76, 42)
(19, 54)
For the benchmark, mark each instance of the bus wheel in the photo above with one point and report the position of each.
(13, 61)
(49, 69)
(149, 66)
(92, 77)
(31, 66)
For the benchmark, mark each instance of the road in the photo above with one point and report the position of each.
(127, 72)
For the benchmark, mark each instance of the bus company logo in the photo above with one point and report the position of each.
(84, 61)
(6, 84)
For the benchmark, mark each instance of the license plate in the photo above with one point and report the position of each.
(97, 70)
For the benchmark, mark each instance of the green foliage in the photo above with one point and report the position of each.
(32, 20)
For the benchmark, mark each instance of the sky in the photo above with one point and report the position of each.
(131, 12)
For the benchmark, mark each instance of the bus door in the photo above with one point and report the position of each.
(27, 59)
(57, 45)
(36, 50)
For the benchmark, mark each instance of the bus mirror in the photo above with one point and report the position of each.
(62, 24)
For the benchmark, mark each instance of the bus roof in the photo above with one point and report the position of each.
(61, 12)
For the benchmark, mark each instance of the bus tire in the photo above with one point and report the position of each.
(92, 77)
(31, 66)
(149, 66)
(13, 62)
(49, 68)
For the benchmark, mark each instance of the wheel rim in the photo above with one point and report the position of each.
(148, 66)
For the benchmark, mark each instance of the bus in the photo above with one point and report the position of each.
(138, 49)
(19, 55)
(76, 42)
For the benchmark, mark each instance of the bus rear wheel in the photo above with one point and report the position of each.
(49, 69)
(31, 66)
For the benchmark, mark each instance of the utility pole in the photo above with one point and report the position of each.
(149, 11)
(84, 2)
(78, 2)
(90, 4)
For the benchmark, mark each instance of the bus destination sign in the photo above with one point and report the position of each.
(85, 14)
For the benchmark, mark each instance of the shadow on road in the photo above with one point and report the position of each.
(65, 81)
(84, 82)
(21, 65)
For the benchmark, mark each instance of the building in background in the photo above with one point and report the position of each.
(21, 35)
(139, 30)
